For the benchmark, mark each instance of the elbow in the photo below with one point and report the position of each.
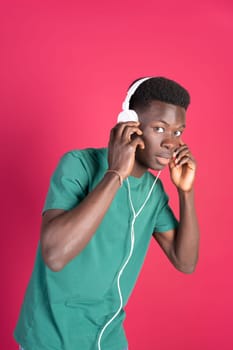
(185, 265)
(52, 262)
(54, 265)
(52, 259)
(52, 253)
(186, 269)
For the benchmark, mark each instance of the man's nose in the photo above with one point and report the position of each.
(169, 143)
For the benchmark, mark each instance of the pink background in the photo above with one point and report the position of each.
(65, 68)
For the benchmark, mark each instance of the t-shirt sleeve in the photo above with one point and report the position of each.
(165, 219)
(68, 184)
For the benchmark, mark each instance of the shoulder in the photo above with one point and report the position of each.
(86, 154)
(87, 165)
(88, 158)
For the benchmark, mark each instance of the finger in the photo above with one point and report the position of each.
(182, 142)
(172, 164)
(119, 128)
(129, 131)
(130, 123)
(138, 142)
(179, 149)
(181, 154)
(186, 160)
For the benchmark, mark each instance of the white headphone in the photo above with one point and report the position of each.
(128, 115)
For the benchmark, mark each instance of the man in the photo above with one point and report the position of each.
(100, 212)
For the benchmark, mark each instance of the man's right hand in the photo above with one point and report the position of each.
(124, 139)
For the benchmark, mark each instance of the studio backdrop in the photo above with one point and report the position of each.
(65, 67)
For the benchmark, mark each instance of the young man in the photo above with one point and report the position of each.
(100, 213)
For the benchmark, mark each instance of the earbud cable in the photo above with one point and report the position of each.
(135, 215)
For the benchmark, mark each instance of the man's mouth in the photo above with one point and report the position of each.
(163, 159)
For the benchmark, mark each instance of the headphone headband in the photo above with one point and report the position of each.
(127, 114)
(131, 91)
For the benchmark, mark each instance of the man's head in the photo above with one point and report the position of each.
(160, 89)
(161, 106)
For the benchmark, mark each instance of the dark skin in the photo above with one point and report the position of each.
(154, 143)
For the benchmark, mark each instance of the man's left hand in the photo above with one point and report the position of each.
(183, 168)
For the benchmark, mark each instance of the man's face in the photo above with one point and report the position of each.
(162, 125)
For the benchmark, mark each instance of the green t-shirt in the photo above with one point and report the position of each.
(67, 310)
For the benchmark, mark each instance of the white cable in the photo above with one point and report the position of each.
(148, 196)
(135, 215)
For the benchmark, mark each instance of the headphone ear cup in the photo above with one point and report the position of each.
(128, 115)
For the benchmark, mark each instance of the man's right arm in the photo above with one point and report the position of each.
(64, 234)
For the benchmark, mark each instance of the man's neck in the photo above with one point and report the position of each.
(138, 170)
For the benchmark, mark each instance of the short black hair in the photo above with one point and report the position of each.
(160, 89)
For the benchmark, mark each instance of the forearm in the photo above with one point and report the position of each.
(186, 243)
(66, 235)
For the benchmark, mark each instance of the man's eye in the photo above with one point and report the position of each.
(178, 133)
(159, 129)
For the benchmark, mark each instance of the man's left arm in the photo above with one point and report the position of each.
(181, 245)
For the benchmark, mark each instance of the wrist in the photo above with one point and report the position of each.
(186, 194)
(116, 174)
